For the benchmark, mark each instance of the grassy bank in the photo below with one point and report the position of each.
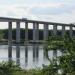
(9, 68)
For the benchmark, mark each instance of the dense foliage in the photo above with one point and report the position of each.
(4, 33)
(1, 35)
(66, 62)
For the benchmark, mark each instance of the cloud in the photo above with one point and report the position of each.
(53, 9)
(48, 10)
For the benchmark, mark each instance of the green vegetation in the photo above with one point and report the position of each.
(9, 68)
(1, 35)
(66, 62)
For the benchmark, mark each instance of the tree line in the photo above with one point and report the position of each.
(4, 34)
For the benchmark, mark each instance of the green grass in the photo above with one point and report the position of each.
(9, 68)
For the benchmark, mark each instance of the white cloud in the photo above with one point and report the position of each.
(23, 8)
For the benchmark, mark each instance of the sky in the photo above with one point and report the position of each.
(62, 11)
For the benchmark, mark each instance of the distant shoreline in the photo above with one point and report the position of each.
(21, 43)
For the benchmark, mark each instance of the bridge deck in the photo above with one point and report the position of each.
(6, 19)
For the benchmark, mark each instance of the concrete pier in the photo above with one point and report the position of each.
(26, 43)
(54, 30)
(71, 31)
(17, 32)
(35, 32)
(46, 32)
(54, 51)
(10, 41)
(18, 42)
(63, 30)
(26, 32)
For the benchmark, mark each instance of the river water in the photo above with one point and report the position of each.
(34, 58)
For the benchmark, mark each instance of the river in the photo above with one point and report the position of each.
(34, 59)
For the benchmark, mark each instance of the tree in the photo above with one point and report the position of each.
(1, 35)
(66, 45)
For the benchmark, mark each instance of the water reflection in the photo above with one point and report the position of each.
(45, 53)
(35, 52)
(26, 56)
(18, 54)
(10, 52)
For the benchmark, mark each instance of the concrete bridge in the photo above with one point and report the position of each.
(35, 32)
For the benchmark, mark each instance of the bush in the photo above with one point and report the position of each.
(8, 68)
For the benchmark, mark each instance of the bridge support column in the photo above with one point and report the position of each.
(45, 37)
(10, 41)
(71, 31)
(35, 32)
(18, 43)
(35, 39)
(45, 32)
(54, 51)
(26, 32)
(26, 42)
(63, 30)
(54, 30)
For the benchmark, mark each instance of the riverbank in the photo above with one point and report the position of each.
(8, 68)
(22, 43)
